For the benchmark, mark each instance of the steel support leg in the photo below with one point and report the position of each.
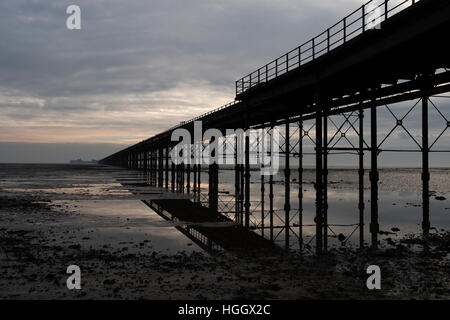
(262, 203)
(361, 178)
(167, 168)
(161, 168)
(425, 168)
(199, 181)
(325, 182)
(374, 177)
(237, 191)
(172, 176)
(271, 212)
(287, 187)
(213, 187)
(188, 178)
(318, 185)
(247, 182)
(182, 180)
(194, 186)
(300, 185)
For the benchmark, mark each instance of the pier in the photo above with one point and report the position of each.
(318, 97)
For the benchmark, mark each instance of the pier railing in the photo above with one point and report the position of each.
(368, 16)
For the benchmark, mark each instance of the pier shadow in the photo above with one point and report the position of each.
(210, 230)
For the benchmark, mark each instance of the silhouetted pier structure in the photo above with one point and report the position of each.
(382, 54)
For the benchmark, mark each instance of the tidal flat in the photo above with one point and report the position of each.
(53, 216)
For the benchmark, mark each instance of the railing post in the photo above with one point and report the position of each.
(299, 56)
(363, 8)
(328, 40)
(287, 62)
(344, 21)
(386, 9)
(313, 46)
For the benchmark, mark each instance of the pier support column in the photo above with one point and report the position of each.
(213, 178)
(172, 177)
(361, 178)
(160, 168)
(271, 211)
(425, 166)
(199, 182)
(374, 176)
(182, 178)
(262, 155)
(138, 161)
(213, 194)
(144, 155)
(151, 169)
(287, 186)
(319, 181)
(194, 186)
(237, 183)
(300, 184)
(247, 182)
(188, 178)
(155, 167)
(167, 168)
(147, 163)
(325, 181)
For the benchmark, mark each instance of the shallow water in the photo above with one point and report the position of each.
(400, 202)
(118, 214)
(100, 207)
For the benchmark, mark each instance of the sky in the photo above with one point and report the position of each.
(135, 68)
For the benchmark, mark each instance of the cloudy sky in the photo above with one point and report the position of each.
(135, 68)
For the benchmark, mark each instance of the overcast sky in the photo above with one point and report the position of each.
(135, 68)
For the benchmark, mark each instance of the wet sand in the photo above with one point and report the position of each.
(38, 243)
(53, 217)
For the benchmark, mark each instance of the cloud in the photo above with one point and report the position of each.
(138, 67)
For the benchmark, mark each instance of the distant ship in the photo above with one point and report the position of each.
(80, 161)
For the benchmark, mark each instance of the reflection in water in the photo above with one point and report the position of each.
(122, 222)
(188, 230)
(399, 202)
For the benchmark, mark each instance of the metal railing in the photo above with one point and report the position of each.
(368, 16)
(201, 116)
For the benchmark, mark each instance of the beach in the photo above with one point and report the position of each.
(53, 216)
